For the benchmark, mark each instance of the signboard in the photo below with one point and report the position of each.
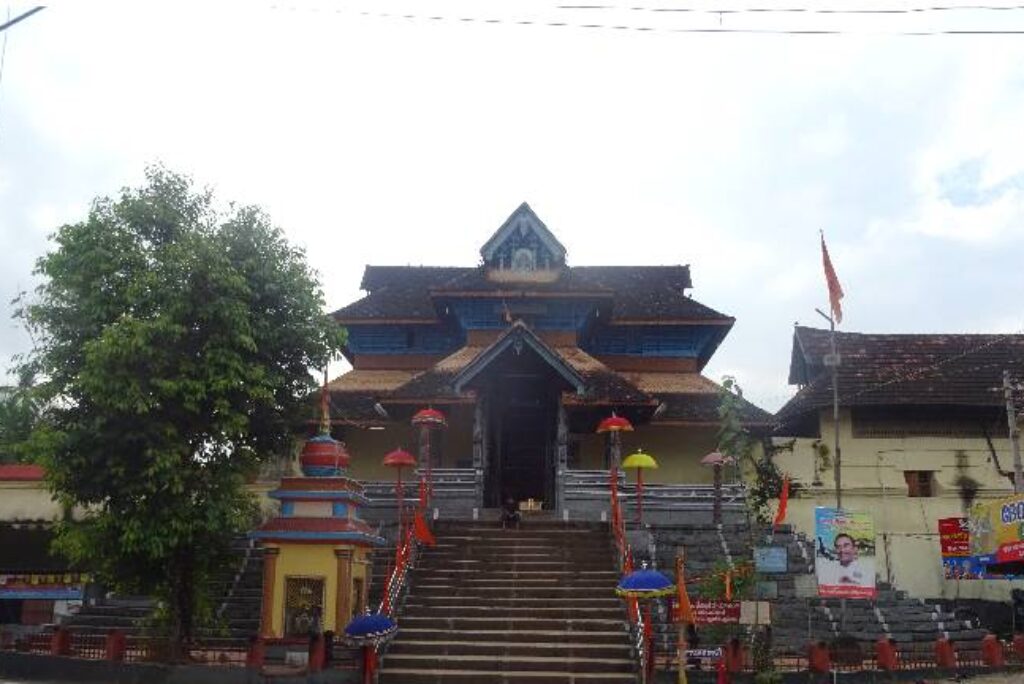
(771, 559)
(766, 590)
(707, 612)
(844, 557)
(997, 531)
(955, 545)
(755, 613)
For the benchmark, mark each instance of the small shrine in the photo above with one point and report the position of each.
(316, 552)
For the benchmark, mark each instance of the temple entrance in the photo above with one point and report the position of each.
(522, 414)
(522, 442)
(519, 382)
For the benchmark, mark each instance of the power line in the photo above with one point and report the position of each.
(798, 10)
(21, 17)
(622, 28)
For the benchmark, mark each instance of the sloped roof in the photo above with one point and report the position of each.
(651, 294)
(903, 369)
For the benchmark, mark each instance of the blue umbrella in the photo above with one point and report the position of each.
(372, 628)
(645, 584)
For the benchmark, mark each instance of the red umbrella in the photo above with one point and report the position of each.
(398, 459)
(428, 419)
(613, 425)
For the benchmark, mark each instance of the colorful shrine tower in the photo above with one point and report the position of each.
(316, 555)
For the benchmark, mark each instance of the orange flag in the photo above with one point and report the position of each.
(780, 515)
(684, 611)
(421, 530)
(835, 290)
(728, 585)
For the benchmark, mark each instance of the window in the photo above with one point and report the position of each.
(920, 483)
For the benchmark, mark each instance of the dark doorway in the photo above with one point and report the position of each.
(523, 401)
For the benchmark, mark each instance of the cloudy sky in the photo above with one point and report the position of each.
(395, 132)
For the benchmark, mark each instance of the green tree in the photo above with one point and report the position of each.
(173, 344)
(734, 440)
(18, 414)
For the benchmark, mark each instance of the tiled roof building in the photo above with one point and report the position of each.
(525, 347)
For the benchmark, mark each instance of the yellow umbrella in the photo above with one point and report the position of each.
(641, 462)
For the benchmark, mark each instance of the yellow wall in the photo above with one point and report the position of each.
(317, 561)
(907, 529)
(27, 501)
(678, 451)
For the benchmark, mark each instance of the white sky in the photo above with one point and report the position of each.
(372, 138)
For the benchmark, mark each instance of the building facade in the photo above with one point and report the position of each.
(525, 355)
(923, 435)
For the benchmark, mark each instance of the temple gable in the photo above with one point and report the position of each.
(523, 248)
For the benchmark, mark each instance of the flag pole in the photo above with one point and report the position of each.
(833, 362)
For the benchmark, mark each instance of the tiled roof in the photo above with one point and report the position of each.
(377, 277)
(638, 293)
(908, 369)
(601, 384)
(361, 380)
(672, 382)
(702, 407)
(21, 472)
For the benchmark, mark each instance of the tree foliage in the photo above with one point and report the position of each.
(734, 440)
(174, 343)
(19, 411)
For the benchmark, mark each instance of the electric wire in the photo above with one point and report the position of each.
(667, 30)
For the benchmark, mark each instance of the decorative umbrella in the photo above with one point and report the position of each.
(717, 460)
(428, 419)
(613, 425)
(645, 584)
(641, 462)
(368, 631)
(398, 459)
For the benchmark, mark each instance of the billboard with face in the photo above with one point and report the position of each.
(844, 558)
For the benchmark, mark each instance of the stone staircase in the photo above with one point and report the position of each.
(531, 605)
(237, 588)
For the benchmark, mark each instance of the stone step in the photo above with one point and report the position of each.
(610, 638)
(405, 675)
(413, 609)
(539, 598)
(493, 622)
(511, 591)
(493, 663)
(502, 647)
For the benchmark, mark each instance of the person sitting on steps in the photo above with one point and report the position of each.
(510, 514)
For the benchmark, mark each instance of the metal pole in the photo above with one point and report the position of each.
(1011, 419)
(835, 414)
(833, 362)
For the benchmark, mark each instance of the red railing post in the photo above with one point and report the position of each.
(818, 658)
(316, 653)
(945, 656)
(257, 654)
(992, 651)
(885, 655)
(60, 642)
(1018, 646)
(115, 646)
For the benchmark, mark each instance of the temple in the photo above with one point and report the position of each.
(525, 355)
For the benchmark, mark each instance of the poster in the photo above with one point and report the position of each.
(955, 545)
(844, 557)
(997, 531)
